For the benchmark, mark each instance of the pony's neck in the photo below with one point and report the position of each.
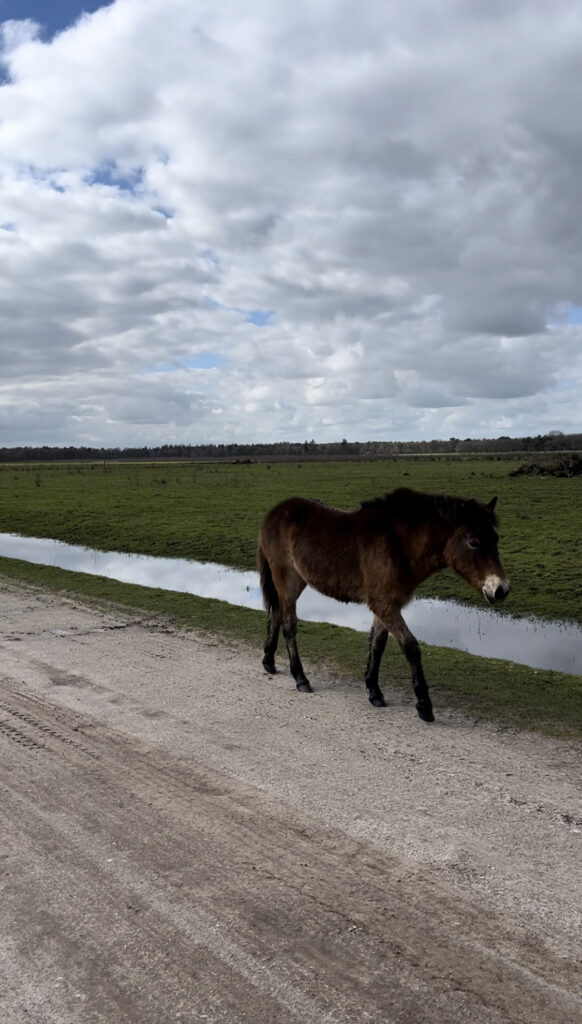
(425, 541)
(423, 524)
(426, 552)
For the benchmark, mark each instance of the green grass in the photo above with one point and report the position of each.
(484, 689)
(211, 512)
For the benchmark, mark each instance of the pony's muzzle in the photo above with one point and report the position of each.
(495, 589)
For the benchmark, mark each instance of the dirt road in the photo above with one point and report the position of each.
(186, 839)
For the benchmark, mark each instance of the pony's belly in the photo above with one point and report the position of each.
(336, 574)
(338, 590)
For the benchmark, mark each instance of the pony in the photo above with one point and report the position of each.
(376, 554)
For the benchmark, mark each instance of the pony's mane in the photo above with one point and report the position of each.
(417, 506)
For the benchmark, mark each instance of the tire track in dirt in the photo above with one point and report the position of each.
(157, 889)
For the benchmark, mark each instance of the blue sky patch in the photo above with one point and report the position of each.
(204, 361)
(110, 175)
(53, 17)
(260, 317)
(201, 361)
(575, 315)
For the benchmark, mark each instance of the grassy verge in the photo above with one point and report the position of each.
(507, 694)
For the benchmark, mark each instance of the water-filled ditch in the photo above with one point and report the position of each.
(481, 631)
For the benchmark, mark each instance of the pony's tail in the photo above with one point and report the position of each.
(268, 589)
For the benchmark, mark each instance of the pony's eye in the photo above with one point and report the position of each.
(473, 543)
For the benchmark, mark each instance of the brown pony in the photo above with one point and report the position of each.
(376, 555)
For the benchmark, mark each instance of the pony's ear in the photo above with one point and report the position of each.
(459, 512)
(491, 504)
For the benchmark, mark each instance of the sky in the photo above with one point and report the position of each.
(281, 221)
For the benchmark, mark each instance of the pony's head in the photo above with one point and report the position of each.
(472, 549)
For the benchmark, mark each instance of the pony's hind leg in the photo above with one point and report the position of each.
(290, 586)
(377, 643)
(273, 627)
(272, 607)
(290, 633)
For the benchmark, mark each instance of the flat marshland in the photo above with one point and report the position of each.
(211, 512)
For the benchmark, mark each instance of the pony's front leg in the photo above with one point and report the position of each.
(395, 624)
(411, 652)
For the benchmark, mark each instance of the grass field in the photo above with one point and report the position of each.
(211, 512)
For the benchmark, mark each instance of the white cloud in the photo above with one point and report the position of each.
(399, 184)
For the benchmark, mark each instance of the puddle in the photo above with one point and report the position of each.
(540, 644)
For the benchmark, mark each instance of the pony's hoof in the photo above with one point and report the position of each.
(269, 666)
(425, 712)
(377, 699)
(305, 686)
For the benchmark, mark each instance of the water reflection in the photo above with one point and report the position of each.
(549, 645)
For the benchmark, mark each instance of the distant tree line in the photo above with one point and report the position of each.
(286, 451)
